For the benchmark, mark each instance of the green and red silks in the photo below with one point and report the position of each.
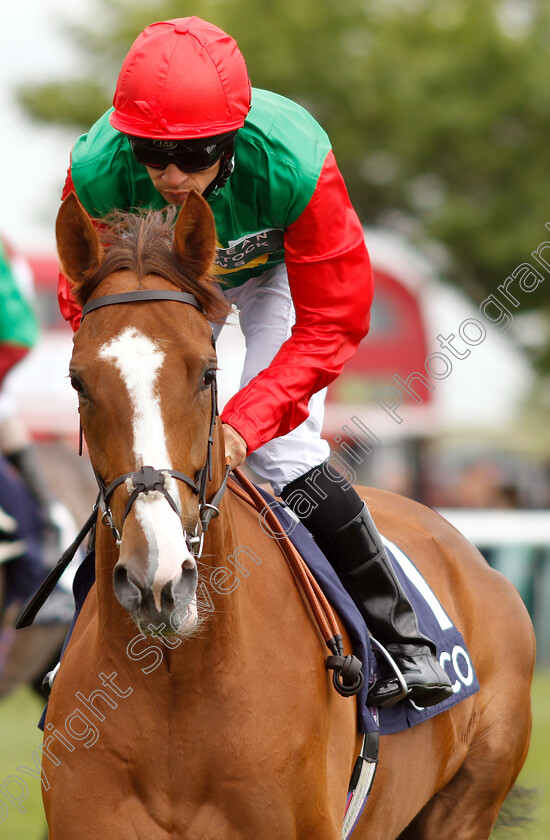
(285, 201)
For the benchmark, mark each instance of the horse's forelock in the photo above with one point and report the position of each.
(142, 243)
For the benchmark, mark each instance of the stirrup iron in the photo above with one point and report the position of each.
(396, 670)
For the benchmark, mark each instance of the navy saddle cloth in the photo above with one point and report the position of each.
(432, 620)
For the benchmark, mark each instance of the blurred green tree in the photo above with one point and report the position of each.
(438, 110)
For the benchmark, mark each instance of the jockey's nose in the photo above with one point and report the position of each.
(174, 177)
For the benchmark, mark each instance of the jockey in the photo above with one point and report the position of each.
(24, 500)
(18, 324)
(18, 335)
(292, 259)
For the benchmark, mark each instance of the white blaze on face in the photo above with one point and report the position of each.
(138, 360)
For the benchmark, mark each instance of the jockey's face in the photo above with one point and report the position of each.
(173, 184)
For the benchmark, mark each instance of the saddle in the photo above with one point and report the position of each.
(433, 620)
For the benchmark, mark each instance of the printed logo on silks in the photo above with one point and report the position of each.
(254, 248)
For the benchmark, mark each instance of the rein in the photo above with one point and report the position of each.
(347, 676)
(145, 480)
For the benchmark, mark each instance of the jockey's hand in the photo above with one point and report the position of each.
(235, 446)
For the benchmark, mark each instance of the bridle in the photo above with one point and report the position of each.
(145, 480)
(348, 678)
(149, 479)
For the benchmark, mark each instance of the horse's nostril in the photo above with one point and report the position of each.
(127, 591)
(184, 588)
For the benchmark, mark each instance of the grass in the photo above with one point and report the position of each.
(536, 770)
(19, 737)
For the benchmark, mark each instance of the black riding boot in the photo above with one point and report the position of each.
(341, 523)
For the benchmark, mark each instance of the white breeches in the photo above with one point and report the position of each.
(266, 317)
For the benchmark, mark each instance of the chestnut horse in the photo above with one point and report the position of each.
(230, 728)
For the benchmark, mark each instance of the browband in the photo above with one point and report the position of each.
(135, 297)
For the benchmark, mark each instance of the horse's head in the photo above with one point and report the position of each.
(145, 376)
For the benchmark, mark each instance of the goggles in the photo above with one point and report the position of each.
(188, 155)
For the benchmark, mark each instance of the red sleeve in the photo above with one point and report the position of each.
(70, 310)
(331, 284)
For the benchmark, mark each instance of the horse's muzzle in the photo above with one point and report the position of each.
(156, 612)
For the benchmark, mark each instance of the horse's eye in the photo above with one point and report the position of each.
(77, 384)
(208, 378)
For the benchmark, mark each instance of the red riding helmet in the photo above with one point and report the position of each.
(182, 78)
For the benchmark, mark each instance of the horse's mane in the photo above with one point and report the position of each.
(141, 242)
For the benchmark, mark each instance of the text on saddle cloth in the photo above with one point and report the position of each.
(432, 618)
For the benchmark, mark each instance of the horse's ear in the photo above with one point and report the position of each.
(195, 234)
(78, 246)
